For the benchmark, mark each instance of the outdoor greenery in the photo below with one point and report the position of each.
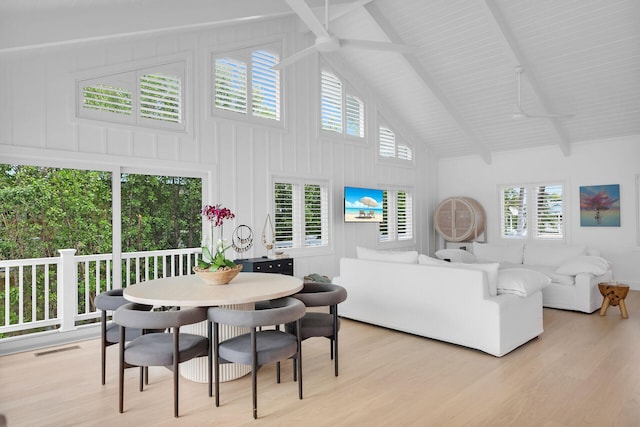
(45, 209)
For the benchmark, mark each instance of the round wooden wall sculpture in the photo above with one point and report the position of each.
(459, 219)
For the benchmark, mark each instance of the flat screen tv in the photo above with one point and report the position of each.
(362, 204)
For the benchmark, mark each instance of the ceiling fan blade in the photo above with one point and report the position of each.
(348, 9)
(375, 45)
(307, 16)
(293, 58)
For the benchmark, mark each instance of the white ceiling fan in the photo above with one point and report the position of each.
(521, 114)
(326, 41)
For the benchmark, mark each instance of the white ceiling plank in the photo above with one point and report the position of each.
(391, 33)
(518, 58)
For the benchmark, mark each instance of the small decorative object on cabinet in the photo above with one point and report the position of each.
(459, 219)
(266, 265)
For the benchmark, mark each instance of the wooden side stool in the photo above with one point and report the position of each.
(614, 294)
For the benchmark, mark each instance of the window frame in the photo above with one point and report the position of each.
(127, 77)
(391, 204)
(398, 142)
(532, 212)
(298, 247)
(345, 93)
(244, 53)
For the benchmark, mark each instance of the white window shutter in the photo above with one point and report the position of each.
(107, 98)
(265, 85)
(161, 97)
(331, 102)
(405, 216)
(283, 214)
(231, 85)
(354, 116)
(404, 152)
(549, 212)
(387, 142)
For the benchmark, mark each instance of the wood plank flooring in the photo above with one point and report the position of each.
(583, 370)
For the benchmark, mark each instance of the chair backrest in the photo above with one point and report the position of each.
(321, 294)
(134, 316)
(110, 300)
(282, 310)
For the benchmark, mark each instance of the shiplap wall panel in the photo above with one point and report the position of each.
(241, 157)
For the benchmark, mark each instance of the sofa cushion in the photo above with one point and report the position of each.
(584, 264)
(551, 255)
(521, 281)
(485, 252)
(491, 270)
(550, 271)
(406, 257)
(427, 260)
(456, 255)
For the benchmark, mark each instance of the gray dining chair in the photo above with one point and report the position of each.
(257, 347)
(107, 302)
(167, 349)
(318, 324)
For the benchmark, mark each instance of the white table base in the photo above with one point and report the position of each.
(197, 369)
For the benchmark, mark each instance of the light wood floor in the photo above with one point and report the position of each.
(583, 370)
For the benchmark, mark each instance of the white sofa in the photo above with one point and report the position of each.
(456, 304)
(574, 271)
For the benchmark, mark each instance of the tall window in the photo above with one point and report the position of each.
(536, 207)
(301, 213)
(340, 111)
(389, 147)
(397, 216)
(245, 83)
(151, 97)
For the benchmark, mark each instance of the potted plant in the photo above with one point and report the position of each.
(214, 267)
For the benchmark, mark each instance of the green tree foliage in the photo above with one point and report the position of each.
(160, 212)
(46, 209)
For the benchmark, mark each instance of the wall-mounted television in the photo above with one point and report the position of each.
(362, 204)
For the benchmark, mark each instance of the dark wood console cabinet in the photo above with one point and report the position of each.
(266, 265)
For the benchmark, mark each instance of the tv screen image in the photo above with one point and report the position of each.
(362, 204)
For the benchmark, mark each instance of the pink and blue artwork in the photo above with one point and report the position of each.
(600, 206)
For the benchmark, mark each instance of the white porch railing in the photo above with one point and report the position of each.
(57, 294)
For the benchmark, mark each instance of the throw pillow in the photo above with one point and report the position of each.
(584, 264)
(491, 270)
(521, 281)
(485, 252)
(427, 260)
(456, 255)
(406, 257)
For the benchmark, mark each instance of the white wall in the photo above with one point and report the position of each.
(614, 161)
(238, 160)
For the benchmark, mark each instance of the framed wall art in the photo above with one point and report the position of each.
(600, 206)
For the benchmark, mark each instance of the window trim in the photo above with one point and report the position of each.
(118, 72)
(395, 239)
(347, 90)
(301, 182)
(531, 207)
(398, 141)
(245, 50)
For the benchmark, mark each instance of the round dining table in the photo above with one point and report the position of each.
(191, 291)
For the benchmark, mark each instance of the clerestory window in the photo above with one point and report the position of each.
(341, 112)
(151, 97)
(390, 147)
(246, 85)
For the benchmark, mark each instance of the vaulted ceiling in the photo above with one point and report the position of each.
(456, 92)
